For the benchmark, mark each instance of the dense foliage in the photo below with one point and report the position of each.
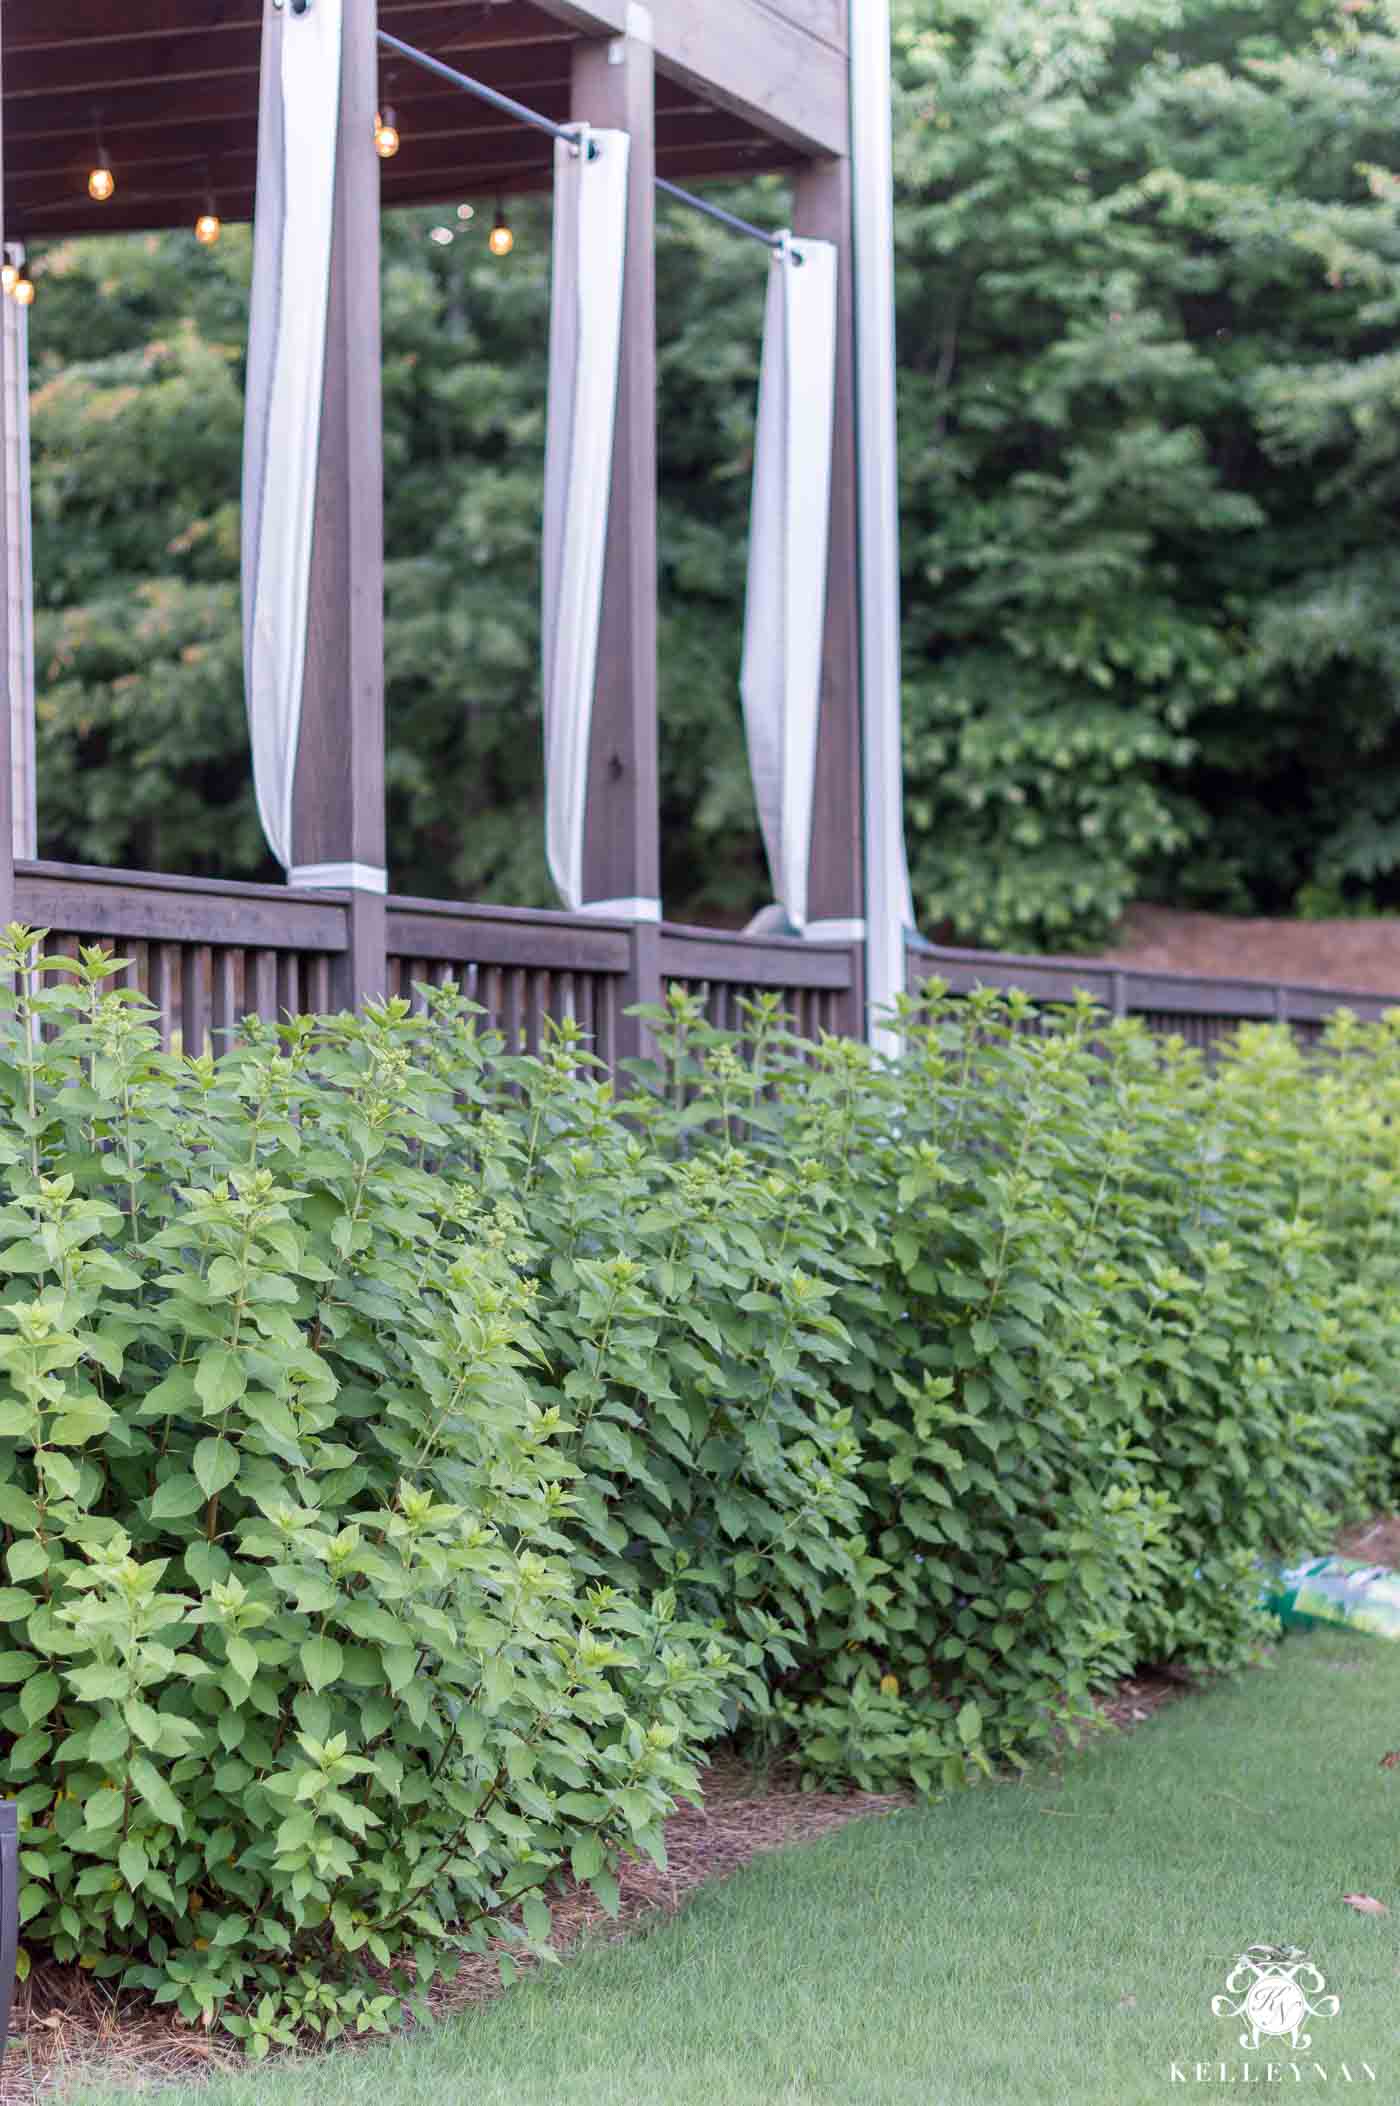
(1151, 289)
(1148, 259)
(411, 1455)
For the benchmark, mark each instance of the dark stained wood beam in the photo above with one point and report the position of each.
(826, 19)
(759, 65)
(173, 158)
(40, 25)
(338, 805)
(772, 64)
(615, 88)
(102, 68)
(150, 112)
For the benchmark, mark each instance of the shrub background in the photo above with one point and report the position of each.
(411, 1457)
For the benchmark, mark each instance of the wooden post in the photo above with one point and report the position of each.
(614, 88)
(7, 838)
(836, 874)
(338, 805)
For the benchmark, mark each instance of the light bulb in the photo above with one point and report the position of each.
(465, 212)
(24, 291)
(502, 238)
(9, 277)
(207, 229)
(443, 236)
(386, 136)
(101, 184)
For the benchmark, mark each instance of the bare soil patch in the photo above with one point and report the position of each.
(1360, 956)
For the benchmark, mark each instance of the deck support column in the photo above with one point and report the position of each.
(836, 872)
(614, 87)
(338, 828)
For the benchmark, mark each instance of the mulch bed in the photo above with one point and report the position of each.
(65, 2024)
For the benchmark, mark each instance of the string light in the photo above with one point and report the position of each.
(386, 135)
(208, 226)
(24, 290)
(443, 236)
(101, 181)
(9, 277)
(502, 237)
(466, 212)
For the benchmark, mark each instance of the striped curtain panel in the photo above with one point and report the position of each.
(293, 223)
(789, 539)
(585, 337)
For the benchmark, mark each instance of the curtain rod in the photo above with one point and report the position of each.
(726, 219)
(563, 131)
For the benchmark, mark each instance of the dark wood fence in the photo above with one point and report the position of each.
(1202, 1011)
(204, 953)
(208, 953)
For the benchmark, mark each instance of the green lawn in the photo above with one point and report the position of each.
(1055, 1942)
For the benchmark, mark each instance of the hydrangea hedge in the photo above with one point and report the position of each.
(413, 1454)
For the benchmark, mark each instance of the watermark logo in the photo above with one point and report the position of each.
(1272, 1988)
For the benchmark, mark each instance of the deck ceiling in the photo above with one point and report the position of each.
(172, 85)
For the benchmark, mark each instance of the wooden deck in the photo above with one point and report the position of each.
(742, 86)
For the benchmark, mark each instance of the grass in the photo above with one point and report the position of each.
(1057, 1941)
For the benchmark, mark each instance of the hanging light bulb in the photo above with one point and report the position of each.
(386, 135)
(24, 290)
(502, 236)
(9, 277)
(101, 181)
(207, 229)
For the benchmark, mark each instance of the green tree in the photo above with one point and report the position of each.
(1149, 269)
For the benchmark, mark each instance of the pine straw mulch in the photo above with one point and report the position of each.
(65, 2025)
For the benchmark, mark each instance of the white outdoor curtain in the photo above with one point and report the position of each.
(585, 337)
(19, 575)
(295, 209)
(789, 539)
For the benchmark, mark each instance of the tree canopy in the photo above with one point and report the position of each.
(1149, 286)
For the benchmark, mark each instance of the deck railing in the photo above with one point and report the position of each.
(1202, 1011)
(207, 953)
(204, 952)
